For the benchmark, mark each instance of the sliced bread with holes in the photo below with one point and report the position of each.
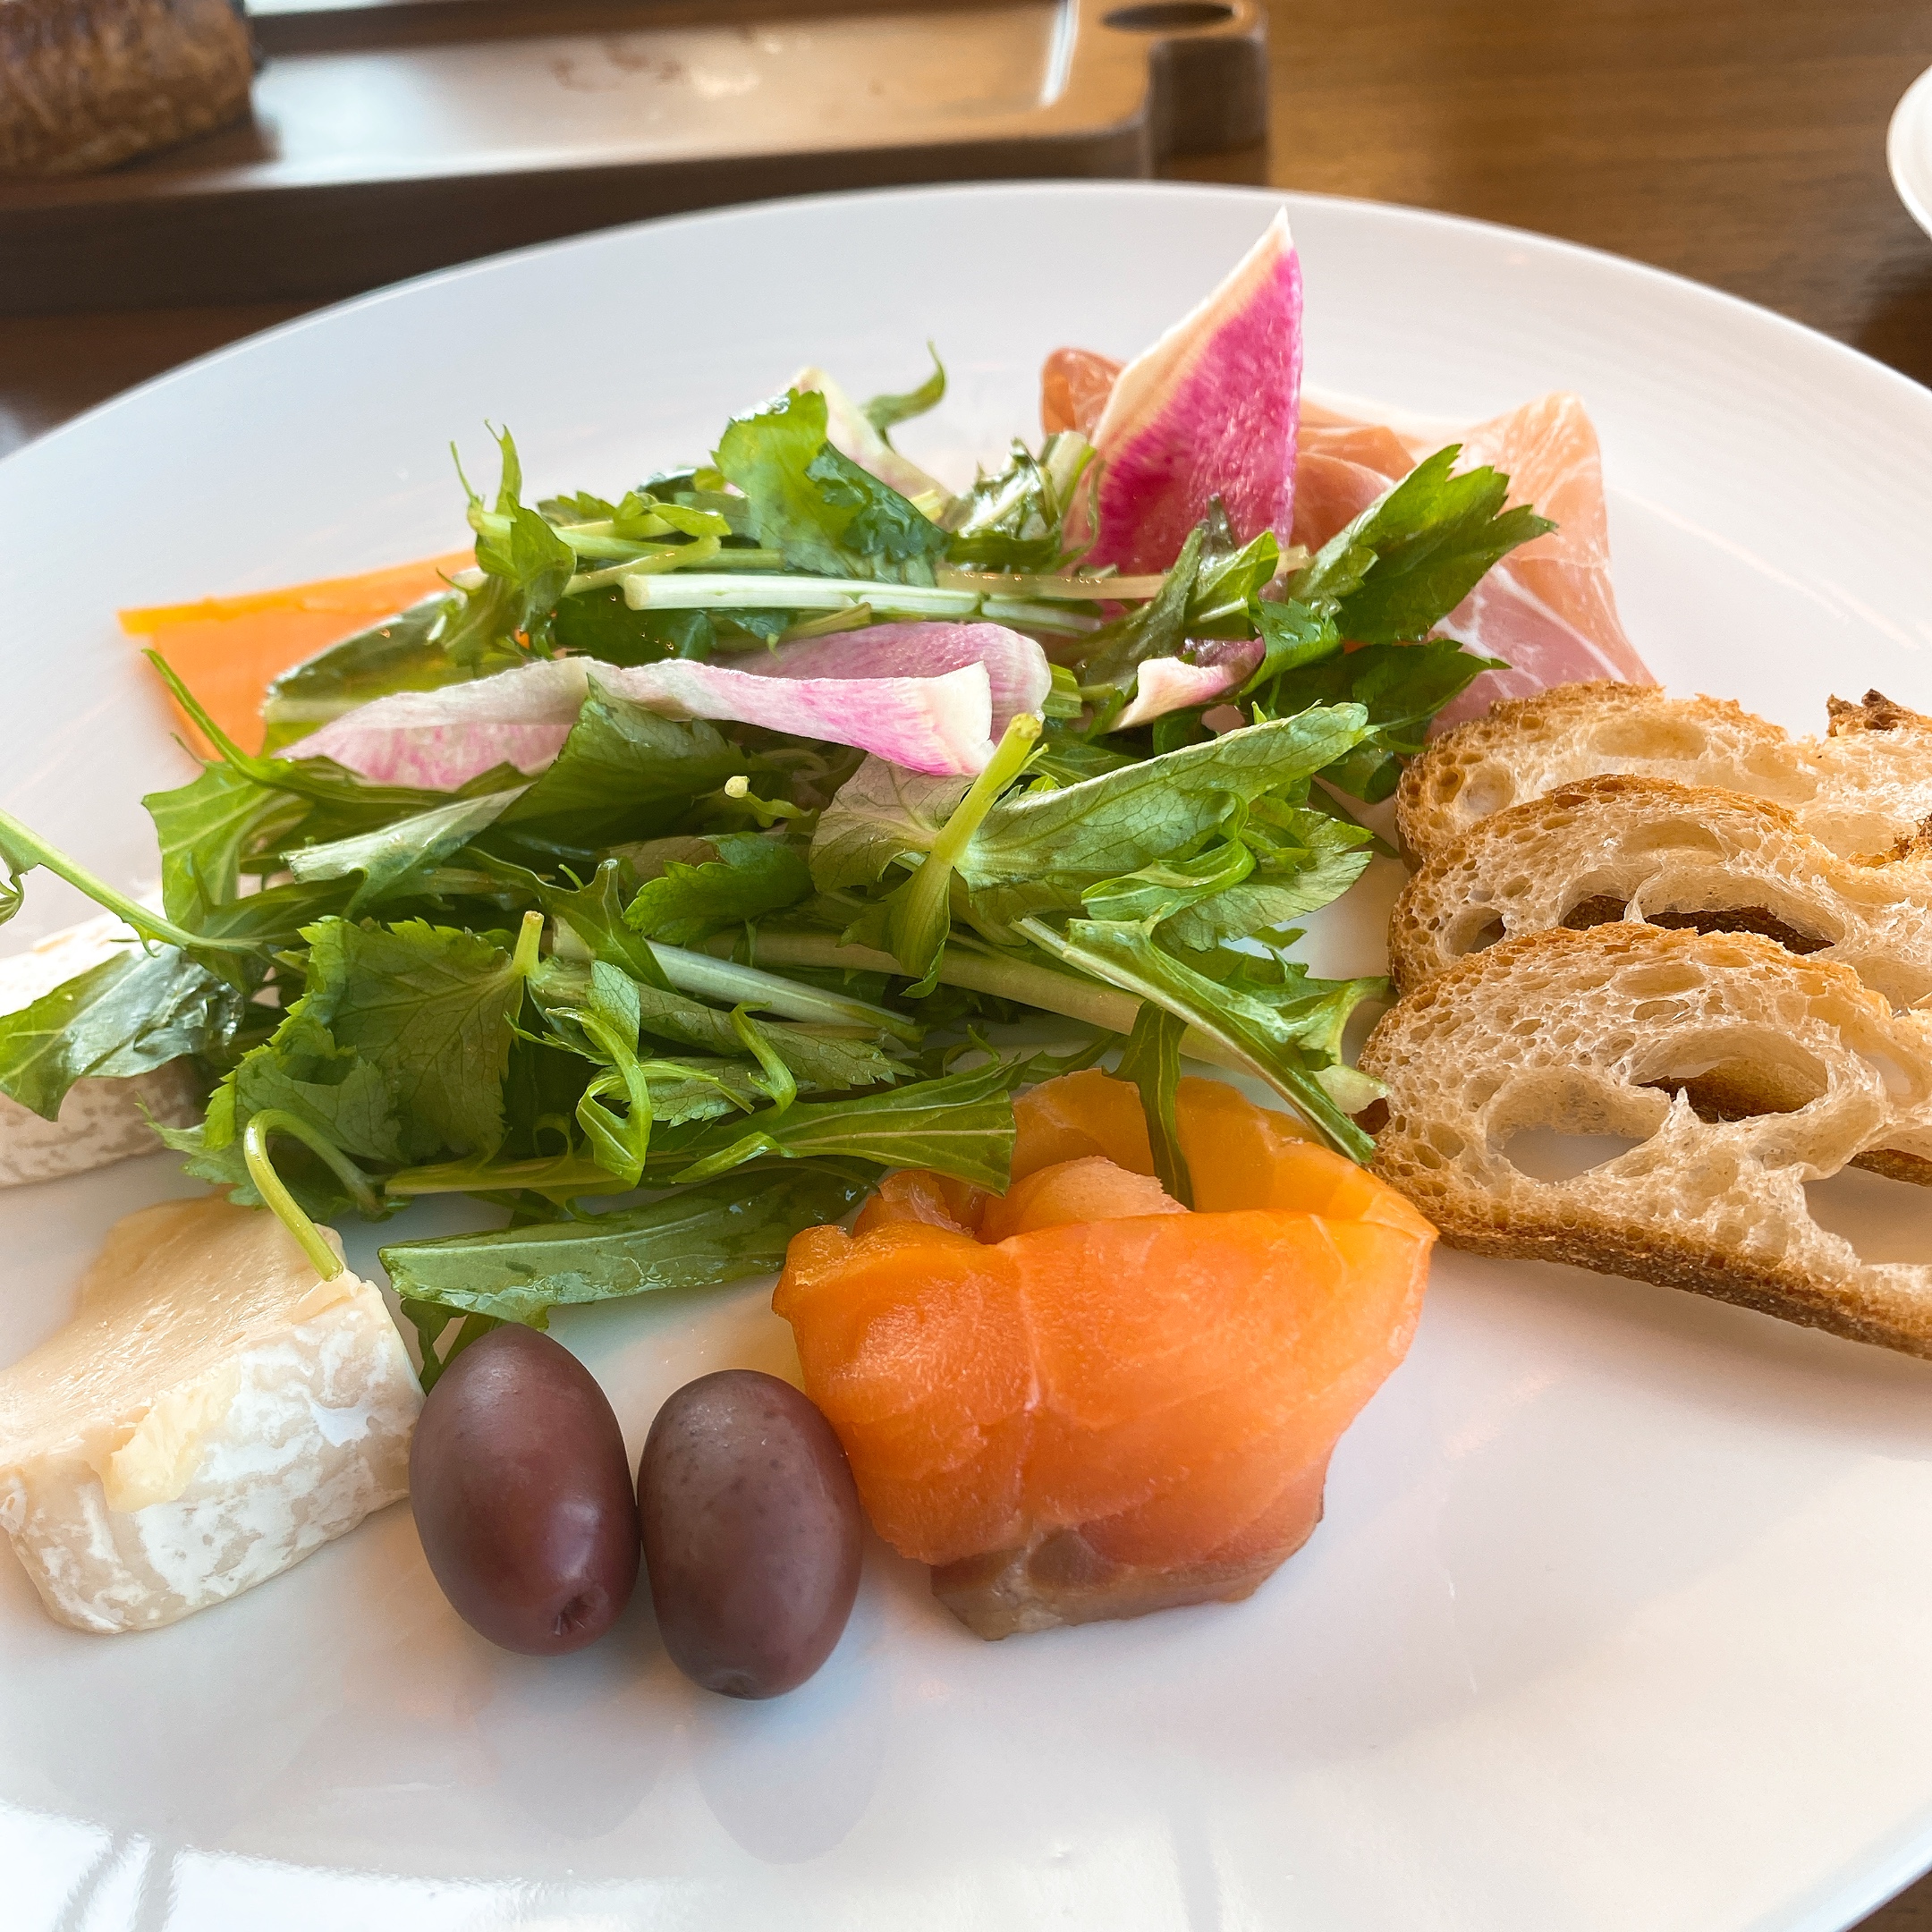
(1861, 790)
(1670, 855)
(1628, 1030)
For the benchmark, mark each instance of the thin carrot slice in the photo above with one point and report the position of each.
(229, 651)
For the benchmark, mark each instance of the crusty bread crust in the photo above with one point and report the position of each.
(1861, 790)
(1630, 848)
(1607, 1031)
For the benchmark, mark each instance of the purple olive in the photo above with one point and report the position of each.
(751, 1533)
(522, 1495)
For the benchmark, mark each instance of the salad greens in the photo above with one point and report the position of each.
(692, 986)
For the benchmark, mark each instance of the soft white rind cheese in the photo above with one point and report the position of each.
(101, 1121)
(213, 1413)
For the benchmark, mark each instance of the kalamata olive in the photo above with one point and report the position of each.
(522, 1490)
(751, 1531)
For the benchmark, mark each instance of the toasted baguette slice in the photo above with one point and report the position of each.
(1861, 790)
(1626, 1030)
(1672, 855)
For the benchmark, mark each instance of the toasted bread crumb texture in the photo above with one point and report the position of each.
(1649, 850)
(1626, 1031)
(1861, 790)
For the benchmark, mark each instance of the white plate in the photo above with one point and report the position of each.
(1908, 149)
(1618, 1616)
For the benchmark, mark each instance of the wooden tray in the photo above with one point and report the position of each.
(394, 136)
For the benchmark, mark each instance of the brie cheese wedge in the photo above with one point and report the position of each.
(214, 1413)
(101, 1121)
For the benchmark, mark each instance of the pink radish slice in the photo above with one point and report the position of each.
(940, 725)
(438, 740)
(1165, 684)
(1210, 411)
(931, 697)
(1018, 674)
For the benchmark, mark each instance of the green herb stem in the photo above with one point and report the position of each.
(1017, 979)
(681, 557)
(268, 1183)
(1029, 584)
(718, 979)
(705, 590)
(23, 848)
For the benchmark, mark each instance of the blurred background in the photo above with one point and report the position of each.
(1741, 142)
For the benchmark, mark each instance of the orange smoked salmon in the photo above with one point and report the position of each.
(1081, 1400)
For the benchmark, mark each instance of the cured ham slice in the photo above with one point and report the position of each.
(1210, 411)
(1548, 610)
(1074, 386)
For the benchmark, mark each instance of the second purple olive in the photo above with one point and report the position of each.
(751, 1533)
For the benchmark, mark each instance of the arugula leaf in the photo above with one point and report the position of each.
(1040, 850)
(1304, 859)
(750, 876)
(960, 1124)
(431, 1007)
(886, 412)
(1156, 629)
(880, 813)
(127, 1015)
(598, 623)
(1412, 556)
(624, 773)
(1015, 518)
(408, 652)
(1400, 687)
(205, 828)
(819, 508)
(1287, 1034)
(394, 857)
(911, 922)
(699, 1238)
(1152, 1062)
(1169, 885)
(1292, 634)
(816, 1060)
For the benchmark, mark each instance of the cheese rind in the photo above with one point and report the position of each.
(212, 1415)
(101, 1121)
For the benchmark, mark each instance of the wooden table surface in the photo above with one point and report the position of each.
(1738, 141)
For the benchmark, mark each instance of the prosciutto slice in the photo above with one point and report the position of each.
(1547, 609)
(930, 697)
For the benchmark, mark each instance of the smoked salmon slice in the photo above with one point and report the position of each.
(1081, 1400)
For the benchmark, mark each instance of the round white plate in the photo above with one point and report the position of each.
(1618, 1616)
(1908, 149)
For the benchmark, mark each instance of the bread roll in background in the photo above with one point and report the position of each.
(87, 84)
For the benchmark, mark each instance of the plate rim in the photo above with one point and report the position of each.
(1675, 285)
(1855, 1890)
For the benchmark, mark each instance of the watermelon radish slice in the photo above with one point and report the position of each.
(1210, 411)
(930, 697)
(1164, 684)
